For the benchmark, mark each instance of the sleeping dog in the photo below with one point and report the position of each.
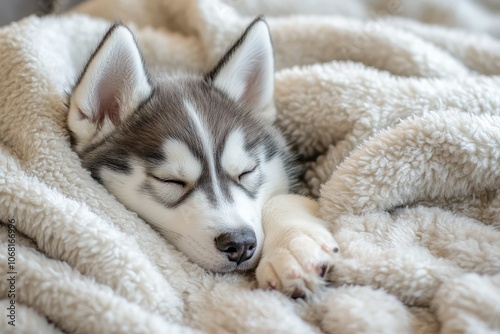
(198, 158)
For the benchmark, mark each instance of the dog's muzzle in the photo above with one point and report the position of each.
(238, 245)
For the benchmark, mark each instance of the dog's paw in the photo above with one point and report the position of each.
(298, 263)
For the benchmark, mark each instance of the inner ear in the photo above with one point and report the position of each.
(246, 72)
(113, 85)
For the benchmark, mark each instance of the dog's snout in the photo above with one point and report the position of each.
(239, 245)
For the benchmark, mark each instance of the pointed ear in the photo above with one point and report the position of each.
(246, 72)
(113, 85)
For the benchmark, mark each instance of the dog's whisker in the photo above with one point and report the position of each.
(169, 234)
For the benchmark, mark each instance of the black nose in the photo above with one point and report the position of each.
(239, 245)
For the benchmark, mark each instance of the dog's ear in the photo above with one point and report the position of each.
(246, 72)
(113, 85)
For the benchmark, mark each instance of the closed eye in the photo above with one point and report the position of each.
(246, 173)
(170, 181)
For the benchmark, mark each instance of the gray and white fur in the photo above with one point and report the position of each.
(195, 156)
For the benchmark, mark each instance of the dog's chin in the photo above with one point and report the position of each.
(228, 267)
(248, 265)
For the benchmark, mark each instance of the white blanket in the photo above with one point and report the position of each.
(399, 119)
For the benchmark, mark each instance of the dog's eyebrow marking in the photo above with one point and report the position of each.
(235, 158)
(181, 163)
(207, 147)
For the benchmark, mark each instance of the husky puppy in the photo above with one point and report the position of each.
(198, 157)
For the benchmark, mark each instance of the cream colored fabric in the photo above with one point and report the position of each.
(401, 123)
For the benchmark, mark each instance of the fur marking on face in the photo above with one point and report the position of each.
(194, 156)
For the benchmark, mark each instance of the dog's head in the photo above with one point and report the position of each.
(195, 156)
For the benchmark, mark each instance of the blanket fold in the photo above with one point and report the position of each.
(397, 120)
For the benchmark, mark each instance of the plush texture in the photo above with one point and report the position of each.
(399, 121)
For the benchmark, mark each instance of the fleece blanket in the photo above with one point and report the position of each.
(394, 108)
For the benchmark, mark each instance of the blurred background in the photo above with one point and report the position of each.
(481, 16)
(13, 10)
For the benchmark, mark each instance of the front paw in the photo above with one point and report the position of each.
(297, 263)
